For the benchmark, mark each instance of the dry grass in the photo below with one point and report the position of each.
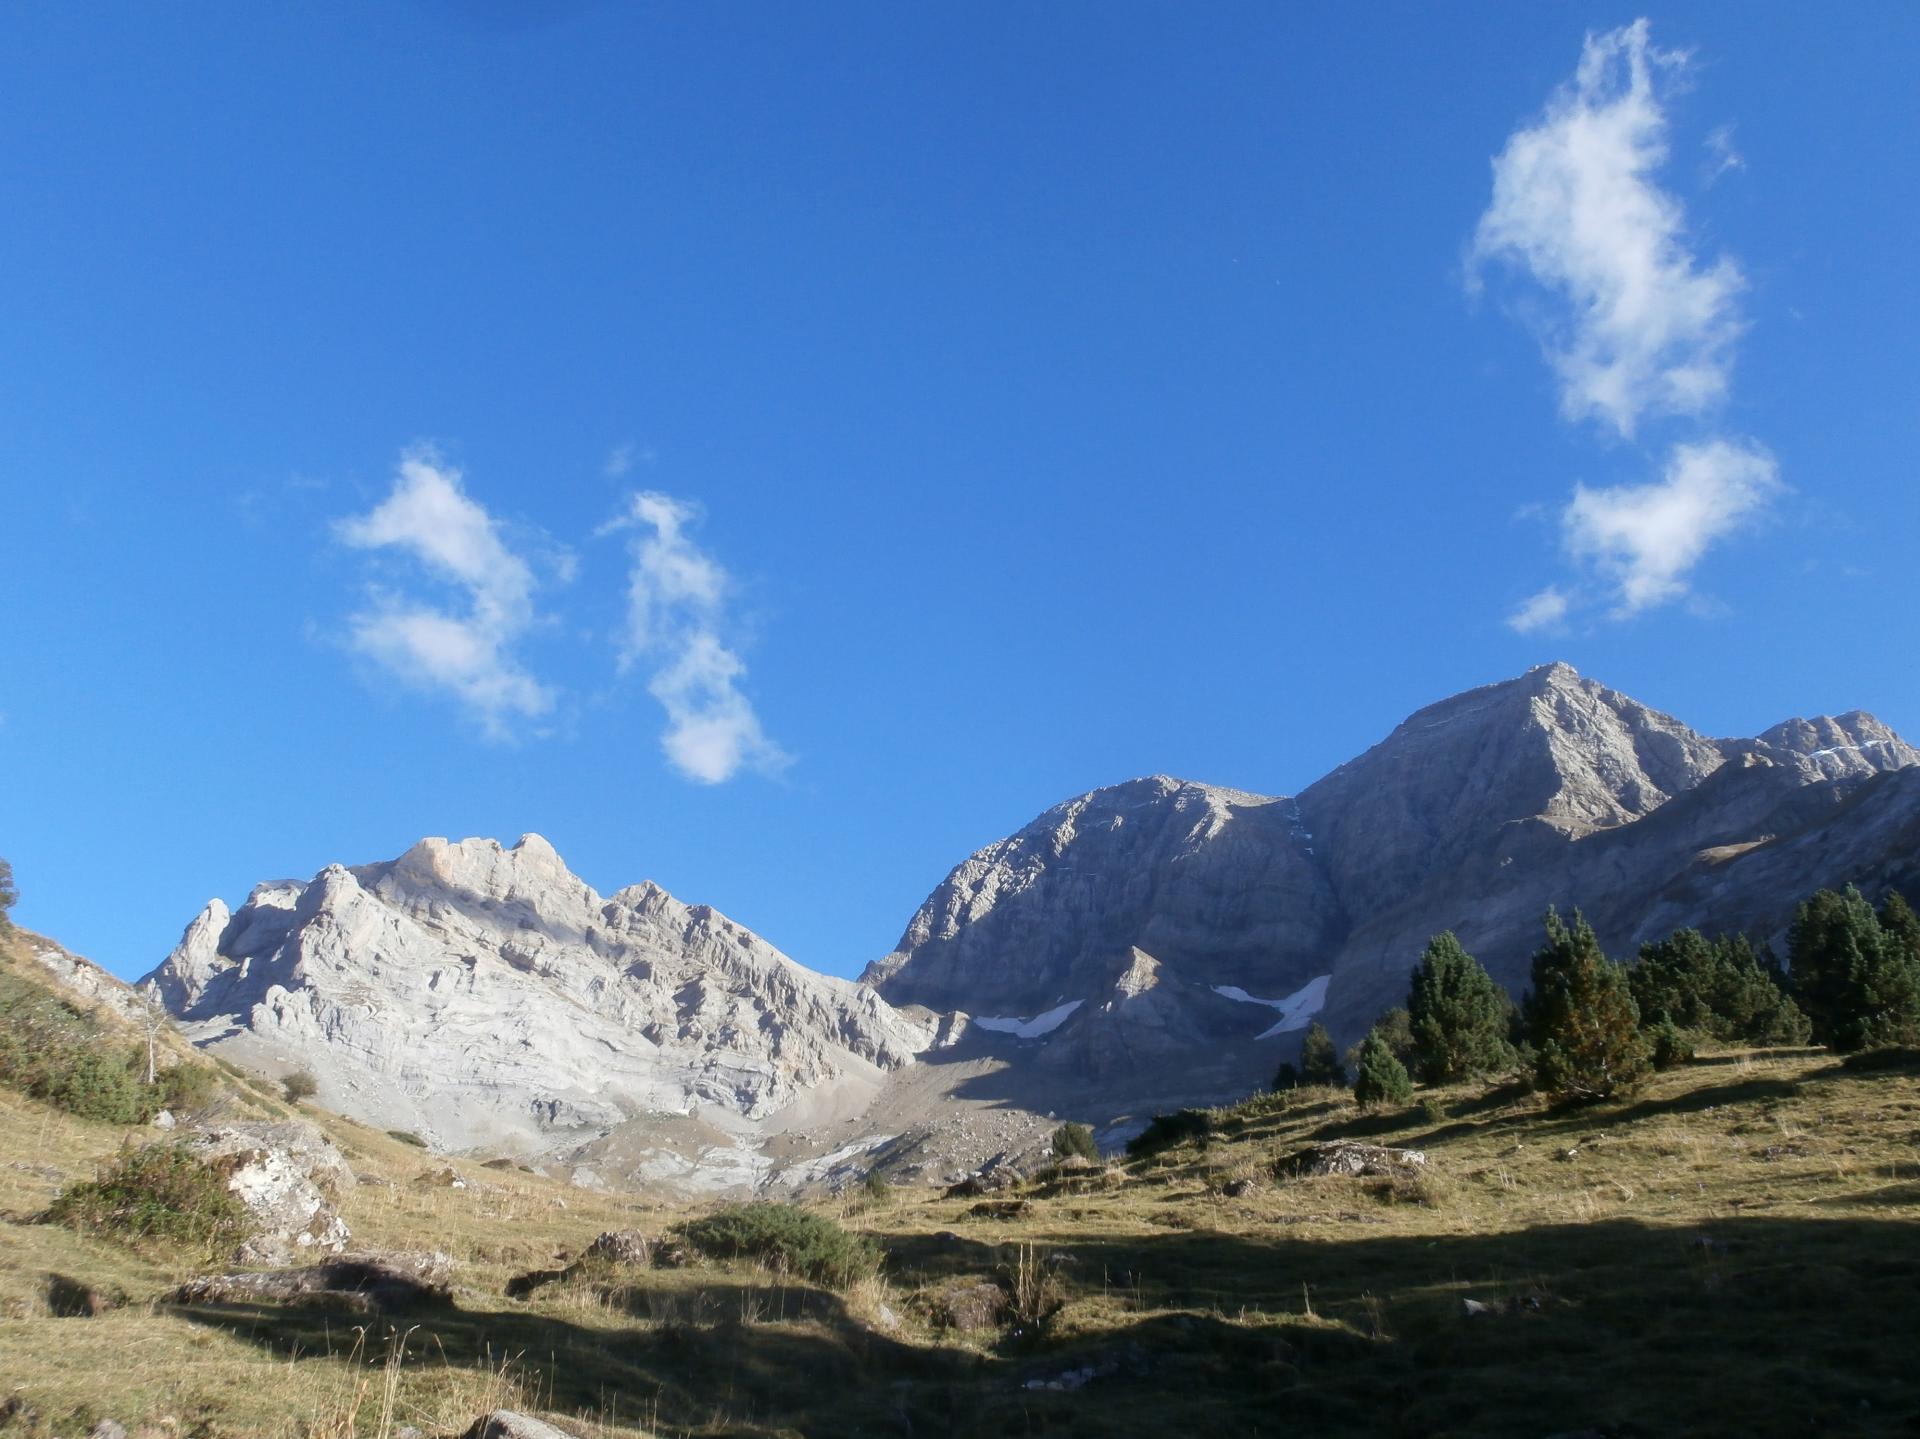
(1732, 1250)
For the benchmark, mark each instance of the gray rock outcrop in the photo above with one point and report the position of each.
(288, 1174)
(485, 996)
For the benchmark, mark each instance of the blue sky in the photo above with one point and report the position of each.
(776, 451)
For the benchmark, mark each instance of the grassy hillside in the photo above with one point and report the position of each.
(1733, 1250)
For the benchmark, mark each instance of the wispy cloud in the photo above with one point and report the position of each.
(678, 618)
(1648, 327)
(466, 649)
(1641, 328)
(1546, 610)
(1646, 539)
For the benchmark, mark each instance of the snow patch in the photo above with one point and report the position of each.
(1032, 1028)
(1296, 1010)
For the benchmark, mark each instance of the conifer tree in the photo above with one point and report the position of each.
(1319, 1061)
(1581, 1018)
(1458, 1015)
(1857, 979)
(1379, 1077)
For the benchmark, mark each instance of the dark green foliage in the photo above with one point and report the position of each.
(1581, 1017)
(1167, 1130)
(1286, 1077)
(1856, 973)
(1075, 1141)
(407, 1136)
(1457, 1015)
(98, 1085)
(1672, 1045)
(187, 1087)
(1380, 1077)
(9, 896)
(300, 1085)
(160, 1193)
(1718, 988)
(786, 1237)
(1319, 1061)
(876, 1187)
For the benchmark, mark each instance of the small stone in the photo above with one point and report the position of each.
(164, 1120)
(107, 1429)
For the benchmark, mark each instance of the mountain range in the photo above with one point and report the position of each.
(1148, 945)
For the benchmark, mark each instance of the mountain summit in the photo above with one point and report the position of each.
(477, 994)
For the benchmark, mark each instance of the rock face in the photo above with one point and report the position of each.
(484, 996)
(1162, 928)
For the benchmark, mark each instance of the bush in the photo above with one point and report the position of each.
(876, 1187)
(786, 1237)
(1075, 1141)
(1380, 1078)
(1672, 1045)
(1458, 1016)
(300, 1085)
(9, 896)
(161, 1193)
(1167, 1130)
(407, 1136)
(54, 1052)
(187, 1087)
(1581, 1017)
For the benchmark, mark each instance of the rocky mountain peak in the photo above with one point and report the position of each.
(476, 993)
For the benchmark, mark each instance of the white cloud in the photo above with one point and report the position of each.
(1546, 610)
(1725, 157)
(467, 651)
(1649, 328)
(677, 603)
(1646, 539)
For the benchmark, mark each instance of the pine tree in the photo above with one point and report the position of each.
(9, 896)
(1458, 1015)
(1319, 1061)
(1581, 1017)
(1857, 979)
(1380, 1078)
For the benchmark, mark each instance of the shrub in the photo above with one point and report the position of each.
(56, 1053)
(786, 1237)
(1167, 1130)
(1379, 1077)
(876, 1187)
(187, 1087)
(1458, 1016)
(1672, 1045)
(9, 896)
(407, 1136)
(1581, 1016)
(1075, 1141)
(300, 1085)
(160, 1193)
(95, 1085)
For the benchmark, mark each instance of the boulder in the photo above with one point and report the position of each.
(287, 1174)
(366, 1284)
(968, 1307)
(620, 1246)
(1351, 1158)
(505, 1424)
